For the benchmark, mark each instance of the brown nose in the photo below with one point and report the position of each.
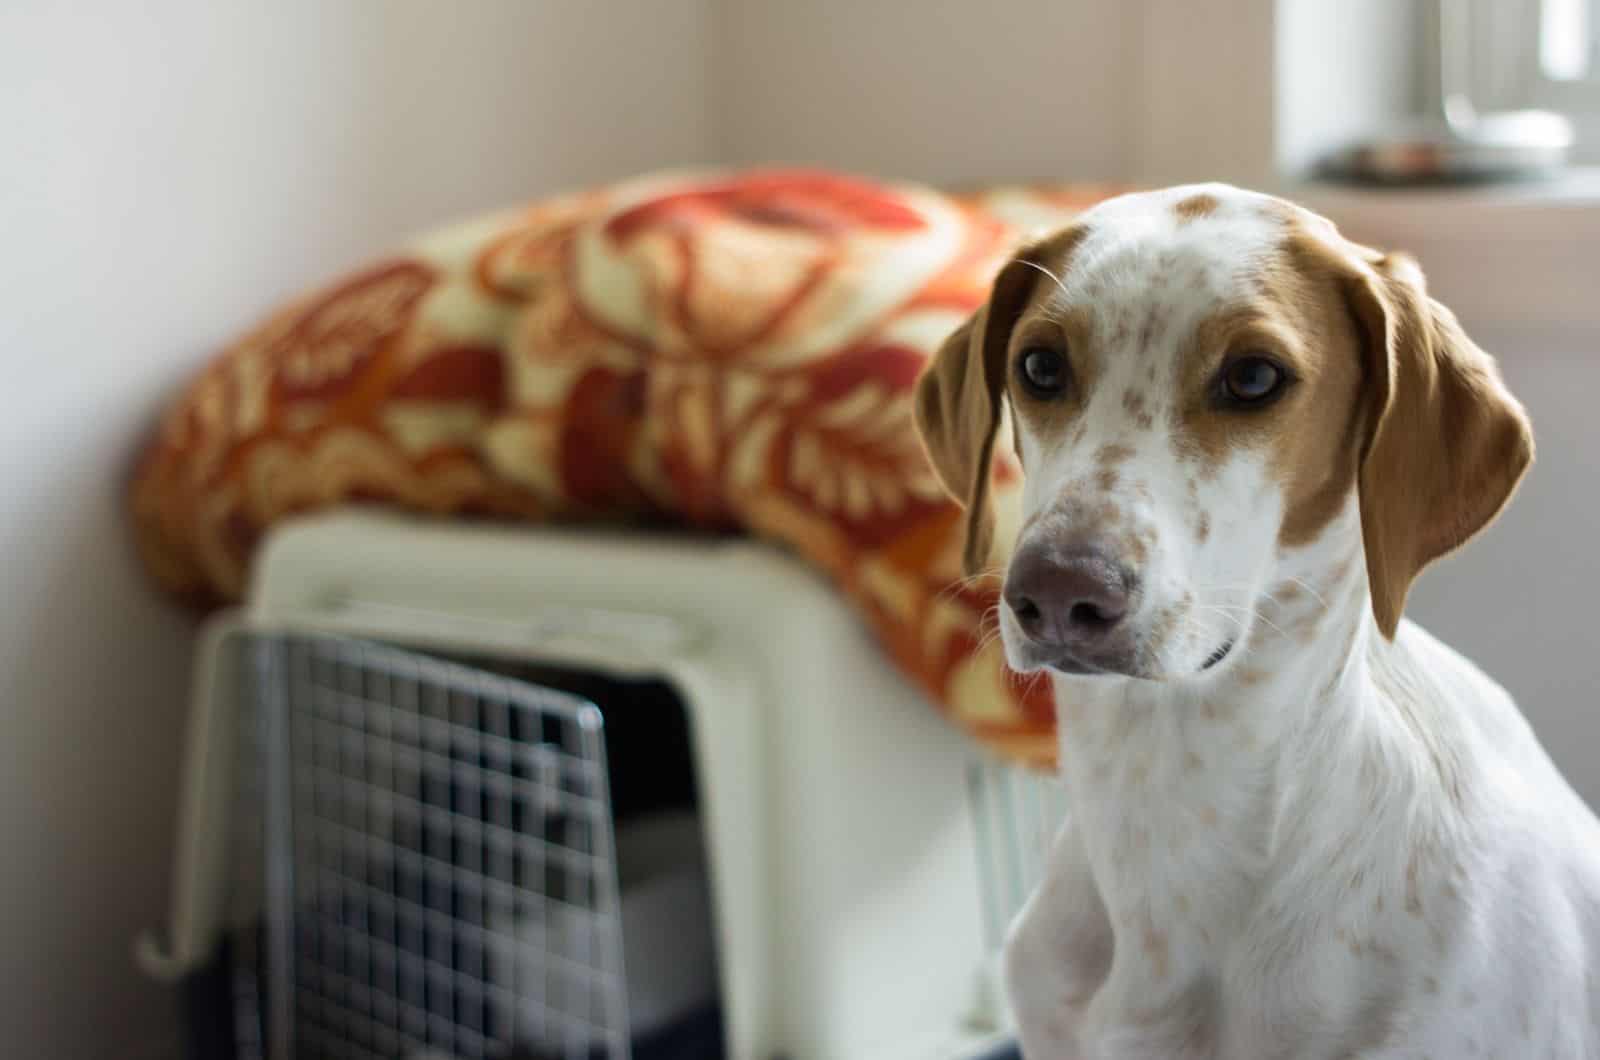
(1070, 600)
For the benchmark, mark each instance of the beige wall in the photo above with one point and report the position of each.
(168, 169)
(943, 90)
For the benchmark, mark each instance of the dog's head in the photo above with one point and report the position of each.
(1200, 380)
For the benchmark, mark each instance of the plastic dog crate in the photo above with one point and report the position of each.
(478, 792)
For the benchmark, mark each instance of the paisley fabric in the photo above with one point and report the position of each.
(731, 352)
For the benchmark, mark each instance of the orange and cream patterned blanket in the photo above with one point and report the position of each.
(731, 352)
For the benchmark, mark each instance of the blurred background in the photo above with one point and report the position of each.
(170, 169)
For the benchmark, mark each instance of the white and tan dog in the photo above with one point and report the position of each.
(1302, 828)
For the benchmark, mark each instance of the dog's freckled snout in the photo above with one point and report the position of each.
(1072, 600)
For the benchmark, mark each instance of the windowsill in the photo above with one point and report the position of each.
(1575, 188)
(1521, 255)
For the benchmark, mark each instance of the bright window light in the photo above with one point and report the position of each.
(1566, 39)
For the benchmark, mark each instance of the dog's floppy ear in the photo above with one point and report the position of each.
(1445, 442)
(958, 404)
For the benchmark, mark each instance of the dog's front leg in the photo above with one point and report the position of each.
(1058, 953)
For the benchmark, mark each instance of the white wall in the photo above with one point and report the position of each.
(948, 91)
(169, 170)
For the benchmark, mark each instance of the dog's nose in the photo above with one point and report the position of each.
(1072, 600)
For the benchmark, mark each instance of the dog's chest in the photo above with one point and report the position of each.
(1179, 824)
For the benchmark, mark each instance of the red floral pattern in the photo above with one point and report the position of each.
(733, 352)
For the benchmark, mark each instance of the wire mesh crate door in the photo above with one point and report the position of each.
(441, 870)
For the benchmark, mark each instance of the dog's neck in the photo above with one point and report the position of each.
(1220, 753)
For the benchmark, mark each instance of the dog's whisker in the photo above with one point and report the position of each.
(1047, 272)
(1308, 587)
(1251, 611)
(969, 581)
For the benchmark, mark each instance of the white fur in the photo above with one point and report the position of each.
(1329, 845)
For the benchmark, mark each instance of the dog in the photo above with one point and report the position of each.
(1300, 826)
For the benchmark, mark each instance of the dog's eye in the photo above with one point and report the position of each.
(1252, 380)
(1043, 371)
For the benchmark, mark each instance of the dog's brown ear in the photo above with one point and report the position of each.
(958, 405)
(1445, 442)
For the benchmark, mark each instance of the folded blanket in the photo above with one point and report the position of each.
(732, 352)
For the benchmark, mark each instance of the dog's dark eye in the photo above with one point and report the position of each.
(1252, 380)
(1043, 371)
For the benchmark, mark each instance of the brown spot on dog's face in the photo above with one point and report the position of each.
(1121, 333)
(1138, 548)
(1196, 206)
(1106, 479)
(1162, 623)
(1202, 529)
(1156, 950)
(1155, 319)
(1104, 516)
(1112, 454)
(1138, 409)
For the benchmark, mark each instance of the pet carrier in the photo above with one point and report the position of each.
(473, 791)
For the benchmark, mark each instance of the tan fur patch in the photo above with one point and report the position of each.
(1319, 473)
(1196, 206)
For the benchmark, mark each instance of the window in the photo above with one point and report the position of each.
(1567, 40)
(1533, 53)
